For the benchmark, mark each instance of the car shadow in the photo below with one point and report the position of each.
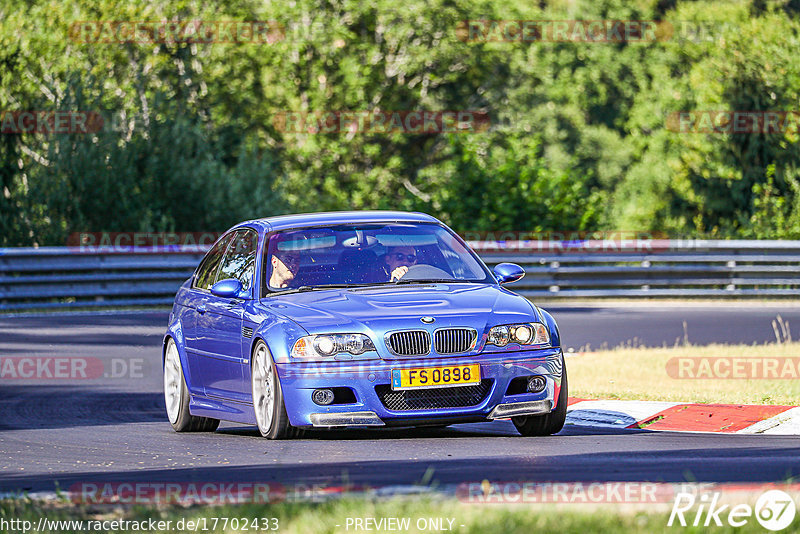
(651, 464)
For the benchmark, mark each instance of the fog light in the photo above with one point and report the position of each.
(536, 384)
(323, 397)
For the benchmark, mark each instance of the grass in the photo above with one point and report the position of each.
(322, 518)
(631, 373)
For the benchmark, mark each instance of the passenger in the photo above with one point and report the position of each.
(397, 260)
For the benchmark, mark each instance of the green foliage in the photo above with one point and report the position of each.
(579, 137)
(502, 182)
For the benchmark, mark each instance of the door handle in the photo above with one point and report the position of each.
(201, 309)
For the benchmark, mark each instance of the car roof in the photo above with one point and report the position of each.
(297, 220)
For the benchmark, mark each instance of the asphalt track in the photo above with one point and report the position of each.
(56, 433)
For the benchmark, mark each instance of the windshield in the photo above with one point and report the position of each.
(368, 254)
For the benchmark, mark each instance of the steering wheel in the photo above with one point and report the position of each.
(426, 272)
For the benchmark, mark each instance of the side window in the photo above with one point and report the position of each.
(206, 273)
(240, 259)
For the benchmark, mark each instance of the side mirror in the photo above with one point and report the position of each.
(229, 288)
(508, 272)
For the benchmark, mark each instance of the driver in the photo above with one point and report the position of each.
(397, 260)
(285, 265)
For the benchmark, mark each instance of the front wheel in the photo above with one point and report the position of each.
(547, 424)
(176, 396)
(270, 411)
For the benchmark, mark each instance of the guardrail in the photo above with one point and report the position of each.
(653, 268)
(71, 277)
(68, 277)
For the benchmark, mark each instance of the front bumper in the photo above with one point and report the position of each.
(299, 380)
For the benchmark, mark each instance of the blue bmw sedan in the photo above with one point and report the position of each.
(357, 319)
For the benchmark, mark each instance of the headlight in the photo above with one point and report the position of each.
(522, 334)
(327, 345)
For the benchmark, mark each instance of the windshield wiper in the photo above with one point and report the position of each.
(303, 289)
(424, 281)
(326, 286)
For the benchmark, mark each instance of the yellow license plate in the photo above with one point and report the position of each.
(436, 377)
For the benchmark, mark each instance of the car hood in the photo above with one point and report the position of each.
(379, 309)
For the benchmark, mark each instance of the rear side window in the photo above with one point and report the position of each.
(206, 273)
(239, 261)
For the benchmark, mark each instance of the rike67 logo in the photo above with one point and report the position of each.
(774, 510)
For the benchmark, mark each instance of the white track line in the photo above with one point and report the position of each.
(786, 423)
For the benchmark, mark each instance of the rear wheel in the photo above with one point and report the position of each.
(270, 411)
(547, 424)
(176, 396)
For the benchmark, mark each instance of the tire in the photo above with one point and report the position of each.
(547, 424)
(270, 411)
(176, 396)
